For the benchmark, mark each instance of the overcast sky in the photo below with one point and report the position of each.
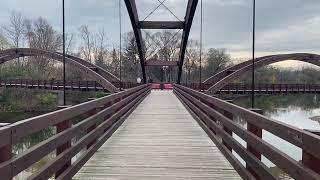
(282, 25)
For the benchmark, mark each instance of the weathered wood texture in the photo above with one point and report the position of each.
(159, 140)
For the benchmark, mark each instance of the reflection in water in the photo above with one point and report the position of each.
(299, 110)
(28, 142)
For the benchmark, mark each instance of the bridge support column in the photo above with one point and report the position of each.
(309, 160)
(60, 127)
(258, 132)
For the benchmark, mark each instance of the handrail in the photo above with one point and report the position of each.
(105, 115)
(212, 112)
(260, 87)
(58, 84)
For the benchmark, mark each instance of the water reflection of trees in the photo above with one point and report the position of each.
(271, 104)
(31, 140)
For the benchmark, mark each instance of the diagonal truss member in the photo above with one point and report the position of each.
(138, 25)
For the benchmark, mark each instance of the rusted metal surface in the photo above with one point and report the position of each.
(305, 140)
(104, 78)
(65, 132)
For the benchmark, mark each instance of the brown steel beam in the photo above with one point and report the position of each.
(191, 9)
(133, 14)
(161, 63)
(161, 24)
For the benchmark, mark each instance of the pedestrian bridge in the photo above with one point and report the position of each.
(144, 134)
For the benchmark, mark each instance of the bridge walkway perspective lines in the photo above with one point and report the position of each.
(159, 140)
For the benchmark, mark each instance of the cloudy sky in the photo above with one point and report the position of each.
(282, 25)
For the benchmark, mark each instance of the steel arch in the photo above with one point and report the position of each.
(93, 71)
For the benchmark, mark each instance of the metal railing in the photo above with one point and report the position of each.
(103, 117)
(216, 117)
(58, 84)
(240, 88)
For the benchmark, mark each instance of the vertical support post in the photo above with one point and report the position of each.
(91, 128)
(258, 132)
(280, 88)
(45, 84)
(87, 86)
(253, 49)
(230, 116)
(64, 53)
(309, 160)
(62, 126)
(120, 47)
(200, 61)
(5, 151)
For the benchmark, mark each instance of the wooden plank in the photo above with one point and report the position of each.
(159, 140)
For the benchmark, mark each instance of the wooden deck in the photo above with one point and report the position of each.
(159, 140)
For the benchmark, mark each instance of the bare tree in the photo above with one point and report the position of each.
(86, 48)
(4, 44)
(15, 29)
(41, 35)
(191, 60)
(217, 60)
(69, 40)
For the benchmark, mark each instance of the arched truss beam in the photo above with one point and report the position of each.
(94, 72)
(238, 70)
(191, 9)
(218, 76)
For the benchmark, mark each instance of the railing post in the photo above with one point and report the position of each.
(91, 128)
(5, 151)
(309, 160)
(229, 116)
(45, 84)
(71, 85)
(267, 89)
(258, 132)
(60, 127)
(87, 86)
